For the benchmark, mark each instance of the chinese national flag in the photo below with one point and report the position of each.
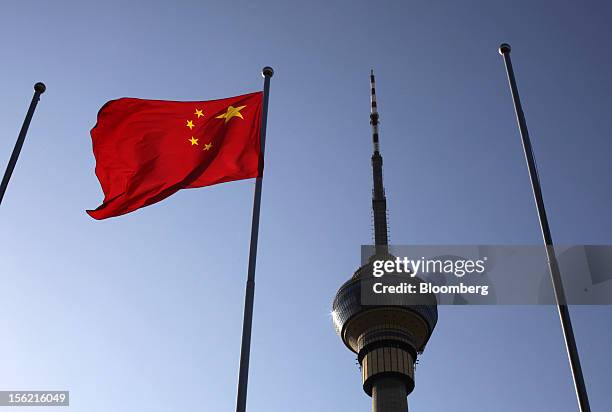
(146, 150)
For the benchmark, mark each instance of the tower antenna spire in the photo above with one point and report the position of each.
(379, 201)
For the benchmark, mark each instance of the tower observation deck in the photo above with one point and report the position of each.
(388, 337)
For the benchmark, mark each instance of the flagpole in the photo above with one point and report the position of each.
(564, 315)
(247, 322)
(39, 88)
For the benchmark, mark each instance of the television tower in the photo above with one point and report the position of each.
(386, 337)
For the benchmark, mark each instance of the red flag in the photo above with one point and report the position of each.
(146, 150)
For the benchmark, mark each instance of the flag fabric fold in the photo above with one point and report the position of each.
(146, 150)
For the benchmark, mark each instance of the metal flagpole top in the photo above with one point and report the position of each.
(40, 87)
(267, 72)
(504, 48)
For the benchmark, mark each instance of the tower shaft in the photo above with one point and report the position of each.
(379, 201)
(389, 395)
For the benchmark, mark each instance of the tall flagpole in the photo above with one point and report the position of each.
(564, 315)
(39, 88)
(247, 322)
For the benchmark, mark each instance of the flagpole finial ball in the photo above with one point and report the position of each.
(267, 71)
(504, 48)
(40, 87)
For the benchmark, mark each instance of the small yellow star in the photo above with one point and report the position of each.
(207, 146)
(231, 112)
(193, 141)
(190, 124)
(199, 113)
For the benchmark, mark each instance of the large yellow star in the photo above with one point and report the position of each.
(231, 112)
(199, 113)
(207, 146)
(190, 124)
(193, 141)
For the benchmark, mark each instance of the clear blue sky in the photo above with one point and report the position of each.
(143, 312)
